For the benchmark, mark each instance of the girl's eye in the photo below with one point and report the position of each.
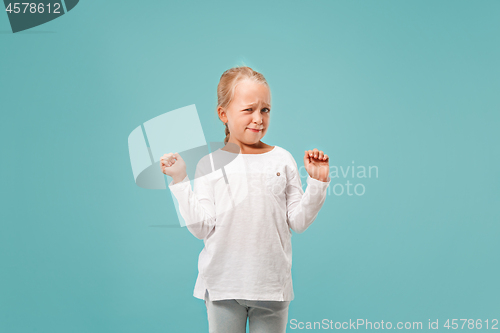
(268, 110)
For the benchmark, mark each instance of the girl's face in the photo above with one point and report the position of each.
(247, 115)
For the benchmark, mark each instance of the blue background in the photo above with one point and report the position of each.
(408, 86)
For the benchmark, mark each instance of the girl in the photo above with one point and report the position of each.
(244, 211)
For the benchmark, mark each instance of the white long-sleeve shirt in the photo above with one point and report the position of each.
(244, 213)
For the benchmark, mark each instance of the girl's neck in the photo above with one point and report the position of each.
(241, 148)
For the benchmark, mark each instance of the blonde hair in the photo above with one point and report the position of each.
(227, 85)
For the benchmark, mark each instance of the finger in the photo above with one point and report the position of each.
(311, 155)
(320, 155)
(169, 160)
(306, 157)
(167, 156)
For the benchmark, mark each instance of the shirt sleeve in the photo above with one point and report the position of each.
(197, 206)
(303, 207)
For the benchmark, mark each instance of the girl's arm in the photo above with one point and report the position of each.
(196, 207)
(302, 208)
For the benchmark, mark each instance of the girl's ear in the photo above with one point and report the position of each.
(222, 114)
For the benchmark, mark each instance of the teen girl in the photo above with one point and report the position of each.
(245, 211)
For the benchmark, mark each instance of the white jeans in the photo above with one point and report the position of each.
(230, 316)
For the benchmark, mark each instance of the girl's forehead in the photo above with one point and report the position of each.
(248, 92)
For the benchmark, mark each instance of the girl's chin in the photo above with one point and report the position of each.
(250, 141)
(254, 136)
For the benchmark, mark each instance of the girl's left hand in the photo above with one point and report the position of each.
(317, 164)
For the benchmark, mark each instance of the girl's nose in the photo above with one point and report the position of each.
(257, 119)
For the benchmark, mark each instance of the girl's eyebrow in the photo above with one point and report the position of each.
(252, 104)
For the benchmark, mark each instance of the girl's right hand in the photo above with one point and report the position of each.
(174, 166)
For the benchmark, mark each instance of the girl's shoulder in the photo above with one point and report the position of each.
(284, 155)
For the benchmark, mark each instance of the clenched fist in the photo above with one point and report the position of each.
(317, 164)
(174, 166)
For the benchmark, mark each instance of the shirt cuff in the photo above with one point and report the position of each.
(315, 182)
(180, 185)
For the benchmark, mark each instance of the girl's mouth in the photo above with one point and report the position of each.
(254, 130)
